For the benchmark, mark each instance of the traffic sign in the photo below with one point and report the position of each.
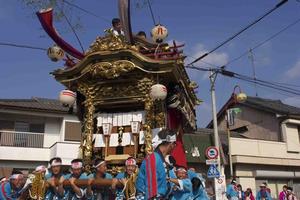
(213, 172)
(211, 162)
(211, 152)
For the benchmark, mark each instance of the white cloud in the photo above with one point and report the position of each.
(293, 72)
(204, 115)
(294, 101)
(215, 59)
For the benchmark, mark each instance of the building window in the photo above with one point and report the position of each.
(72, 131)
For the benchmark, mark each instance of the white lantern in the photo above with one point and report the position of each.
(107, 128)
(135, 127)
(158, 92)
(67, 97)
(55, 53)
(159, 33)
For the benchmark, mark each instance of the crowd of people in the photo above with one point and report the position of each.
(234, 191)
(158, 177)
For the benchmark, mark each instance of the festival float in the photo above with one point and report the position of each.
(126, 88)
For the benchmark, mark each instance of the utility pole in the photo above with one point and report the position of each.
(212, 77)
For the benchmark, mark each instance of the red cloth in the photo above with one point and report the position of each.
(47, 23)
(174, 122)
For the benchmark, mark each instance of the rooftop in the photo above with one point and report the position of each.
(35, 104)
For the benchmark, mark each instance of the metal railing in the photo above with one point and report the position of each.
(21, 139)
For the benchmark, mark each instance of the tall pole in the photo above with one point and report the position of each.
(212, 77)
(229, 143)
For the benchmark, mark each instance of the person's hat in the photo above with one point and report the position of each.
(263, 185)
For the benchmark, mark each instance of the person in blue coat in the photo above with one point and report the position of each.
(231, 190)
(12, 189)
(198, 183)
(130, 169)
(54, 174)
(103, 193)
(182, 187)
(263, 193)
(151, 182)
(74, 192)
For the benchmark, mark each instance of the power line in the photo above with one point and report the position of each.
(241, 31)
(22, 46)
(265, 41)
(250, 80)
(151, 11)
(86, 11)
(73, 30)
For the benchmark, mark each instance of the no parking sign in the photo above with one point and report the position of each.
(211, 152)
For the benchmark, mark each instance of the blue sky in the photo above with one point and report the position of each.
(201, 25)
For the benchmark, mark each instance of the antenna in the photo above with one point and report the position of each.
(251, 57)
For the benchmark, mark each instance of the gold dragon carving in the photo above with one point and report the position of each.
(111, 70)
(110, 42)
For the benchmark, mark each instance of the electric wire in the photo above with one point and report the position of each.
(86, 11)
(151, 11)
(241, 31)
(250, 80)
(264, 42)
(73, 30)
(22, 46)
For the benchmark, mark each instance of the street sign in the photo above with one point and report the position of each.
(211, 152)
(220, 187)
(213, 172)
(211, 162)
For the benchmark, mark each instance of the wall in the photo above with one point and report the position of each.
(261, 125)
(52, 131)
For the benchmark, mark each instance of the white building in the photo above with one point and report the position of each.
(32, 131)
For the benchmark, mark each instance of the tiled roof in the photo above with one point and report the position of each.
(275, 106)
(35, 103)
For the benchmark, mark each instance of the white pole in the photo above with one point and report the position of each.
(212, 77)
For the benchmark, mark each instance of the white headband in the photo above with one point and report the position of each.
(102, 162)
(55, 163)
(16, 176)
(130, 161)
(181, 169)
(40, 168)
(169, 138)
(76, 165)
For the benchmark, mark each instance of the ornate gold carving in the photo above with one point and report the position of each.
(111, 70)
(86, 143)
(148, 124)
(110, 42)
(38, 186)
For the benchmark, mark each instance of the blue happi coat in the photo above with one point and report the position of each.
(183, 191)
(69, 193)
(6, 192)
(146, 174)
(200, 193)
(263, 194)
(50, 193)
(103, 193)
(231, 192)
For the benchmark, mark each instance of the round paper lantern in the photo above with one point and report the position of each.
(55, 53)
(67, 97)
(159, 33)
(158, 92)
(241, 97)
